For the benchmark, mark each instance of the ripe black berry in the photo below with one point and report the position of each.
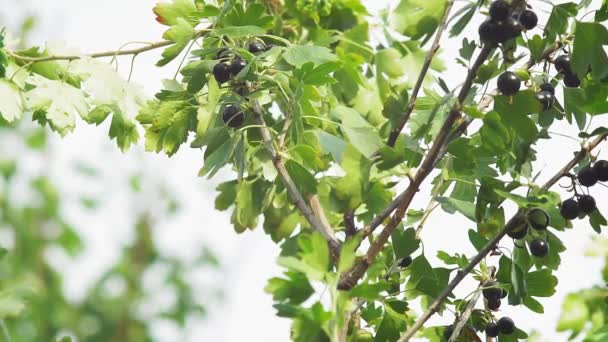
(586, 203)
(237, 65)
(489, 32)
(508, 83)
(512, 27)
(562, 64)
(256, 47)
(601, 170)
(405, 262)
(492, 330)
(528, 19)
(548, 87)
(518, 232)
(569, 209)
(546, 100)
(221, 72)
(539, 248)
(493, 304)
(506, 325)
(586, 176)
(233, 116)
(447, 333)
(491, 290)
(571, 80)
(538, 219)
(499, 10)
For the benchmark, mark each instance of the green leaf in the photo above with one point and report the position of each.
(314, 251)
(348, 253)
(514, 113)
(215, 161)
(304, 180)
(575, 314)
(240, 31)
(588, 50)
(404, 242)
(360, 133)
(369, 291)
(11, 101)
(168, 13)
(558, 20)
(477, 239)
(298, 55)
(417, 18)
(541, 283)
(294, 290)
(181, 34)
(388, 61)
(451, 205)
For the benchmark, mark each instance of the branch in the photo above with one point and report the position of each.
(464, 317)
(315, 222)
(425, 67)
(350, 278)
(349, 224)
(148, 47)
(491, 245)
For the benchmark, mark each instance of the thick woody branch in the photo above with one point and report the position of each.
(351, 277)
(493, 243)
(298, 200)
(392, 139)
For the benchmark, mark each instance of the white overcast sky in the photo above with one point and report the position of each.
(249, 259)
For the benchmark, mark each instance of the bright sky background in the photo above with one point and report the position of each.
(249, 259)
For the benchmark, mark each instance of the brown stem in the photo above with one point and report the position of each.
(464, 317)
(350, 278)
(392, 139)
(349, 224)
(513, 222)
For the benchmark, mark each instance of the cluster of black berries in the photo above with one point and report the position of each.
(230, 66)
(492, 293)
(538, 219)
(504, 325)
(505, 24)
(582, 204)
(563, 66)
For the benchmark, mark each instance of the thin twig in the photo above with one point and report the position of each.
(349, 223)
(491, 245)
(297, 198)
(464, 317)
(425, 68)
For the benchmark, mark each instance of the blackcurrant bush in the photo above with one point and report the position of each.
(538, 219)
(601, 170)
(518, 232)
(562, 64)
(586, 176)
(586, 203)
(221, 72)
(528, 19)
(539, 248)
(508, 83)
(233, 116)
(499, 10)
(547, 87)
(491, 290)
(256, 47)
(489, 32)
(571, 80)
(506, 325)
(405, 262)
(492, 330)
(447, 332)
(237, 65)
(546, 100)
(494, 304)
(569, 209)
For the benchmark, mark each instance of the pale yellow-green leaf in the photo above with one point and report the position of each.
(11, 101)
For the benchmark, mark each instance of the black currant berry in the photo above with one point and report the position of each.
(492, 330)
(405, 262)
(237, 65)
(586, 176)
(221, 72)
(512, 27)
(506, 325)
(586, 203)
(546, 100)
(508, 83)
(489, 32)
(601, 170)
(538, 219)
(233, 116)
(447, 333)
(491, 290)
(569, 209)
(256, 47)
(528, 19)
(539, 248)
(499, 10)
(494, 304)
(518, 232)
(562, 64)
(547, 87)
(571, 80)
